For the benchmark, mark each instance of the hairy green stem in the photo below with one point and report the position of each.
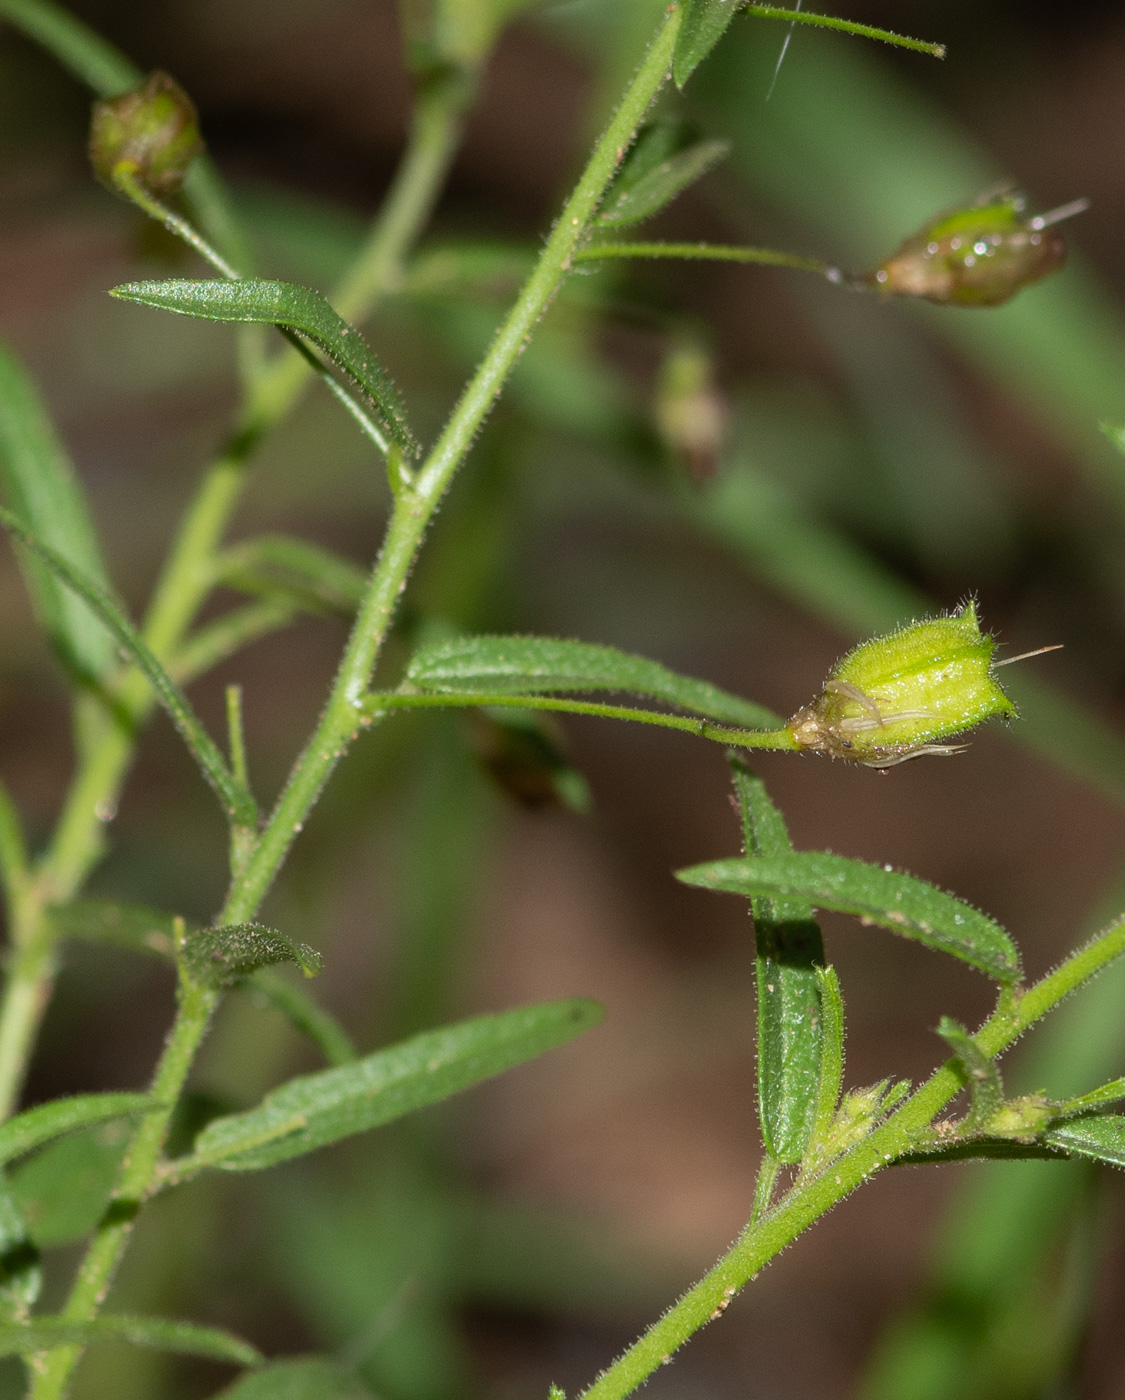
(188, 575)
(845, 26)
(378, 703)
(344, 713)
(709, 252)
(767, 1235)
(97, 1268)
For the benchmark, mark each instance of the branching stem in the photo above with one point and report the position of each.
(344, 714)
(768, 1234)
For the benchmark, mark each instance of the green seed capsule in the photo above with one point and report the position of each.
(901, 696)
(980, 256)
(152, 133)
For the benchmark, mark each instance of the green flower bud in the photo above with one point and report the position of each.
(899, 697)
(151, 133)
(980, 256)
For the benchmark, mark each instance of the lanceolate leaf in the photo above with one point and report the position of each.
(540, 665)
(894, 901)
(1101, 1136)
(220, 957)
(187, 1338)
(317, 1109)
(664, 161)
(39, 484)
(236, 801)
(790, 1020)
(302, 1378)
(36, 1126)
(704, 24)
(297, 309)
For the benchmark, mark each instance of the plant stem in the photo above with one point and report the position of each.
(188, 576)
(377, 703)
(708, 252)
(344, 713)
(97, 1268)
(765, 1237)
(845, 26)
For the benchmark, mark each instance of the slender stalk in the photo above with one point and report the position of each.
(96, 1270)
(188, 576)
(845, 26)
(766, 1236)
(344, 714)
(708, 252)
(378, 703)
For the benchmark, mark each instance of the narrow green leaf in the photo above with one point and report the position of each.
(317, 1109)
(982, 1077)
(39, 484)
(302, 1378)
(1107, 1093)
(313, 578)
(295, 308)
(538, 665)
(124, 925)
(187, 1338)
(20, 1275)
(220, 957)
(789, 951)
(831, 1079)
(1101, 1137)
(663, 162)
(235, 799)
(36, 1126)
(894, 901)
(704, 24)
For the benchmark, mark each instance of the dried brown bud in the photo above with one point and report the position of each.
(980, 256)
(151, 134)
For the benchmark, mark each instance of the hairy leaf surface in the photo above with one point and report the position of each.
(540, 665)
(317, 1109)
(220, 957)
(789, 951)
(296, 308)
(894, 901)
